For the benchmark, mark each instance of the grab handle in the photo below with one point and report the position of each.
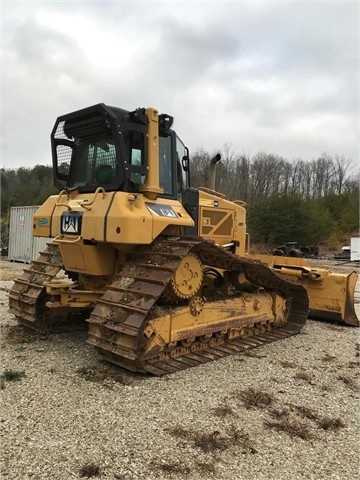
(62, 239)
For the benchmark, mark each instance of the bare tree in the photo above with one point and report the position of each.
(342, 166)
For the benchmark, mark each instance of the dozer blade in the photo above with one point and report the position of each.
(333, 298)
(331, 295)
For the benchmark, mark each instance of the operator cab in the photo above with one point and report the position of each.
(107, 147)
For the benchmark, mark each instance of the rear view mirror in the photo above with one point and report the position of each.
(185, 163)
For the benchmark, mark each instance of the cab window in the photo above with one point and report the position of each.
(165, 165)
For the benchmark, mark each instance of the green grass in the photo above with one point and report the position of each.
(12, 375)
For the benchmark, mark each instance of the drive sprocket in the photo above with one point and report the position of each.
(187, 279)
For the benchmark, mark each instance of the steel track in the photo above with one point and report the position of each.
(119, 318)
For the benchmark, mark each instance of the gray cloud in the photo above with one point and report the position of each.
(268, 76)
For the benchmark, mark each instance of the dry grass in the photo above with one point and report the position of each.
(106, 374)
(172, 468)
(206, 469)
(328, 423)
(304, 412)
(294, 427)
(253, 398)
(349, 382)
(291, 427)
(286, 364)
(89, 470)
(328, 358)
(210, 442)
(223, 411)
(252, 354)
(279, 413)
(304, 376)
(215, 441)
(179, 432)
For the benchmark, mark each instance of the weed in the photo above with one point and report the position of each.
(287, 364)
(206, 469)
(214, 441)
(222, 411)
(89, 470)
(179, 432)
(304, 412)
(210, 442)
(349, 382)
(279, 413)
(293, 428)
(252, 398)
(253, 354)
(328, 423)
(327, 388)
(304, 376)
(173, 468)
(328, 358)
(12, 375)
(103, 375)
(242, 439)
(357, 349)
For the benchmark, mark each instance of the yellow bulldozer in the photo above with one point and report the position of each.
(161, 271)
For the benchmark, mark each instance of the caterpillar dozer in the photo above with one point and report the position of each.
(161, 271)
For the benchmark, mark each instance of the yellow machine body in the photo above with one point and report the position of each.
(104, 233)
(162, 271)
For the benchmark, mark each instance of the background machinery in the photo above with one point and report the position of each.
(161, 271)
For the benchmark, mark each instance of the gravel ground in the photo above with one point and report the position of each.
(285, 411)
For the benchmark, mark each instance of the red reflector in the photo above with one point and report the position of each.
(118, 229)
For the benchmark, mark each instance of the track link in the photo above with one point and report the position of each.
(27, 295)
(118, 321)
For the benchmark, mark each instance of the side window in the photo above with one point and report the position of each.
(165, 165)
(135, 145)
(136, 160)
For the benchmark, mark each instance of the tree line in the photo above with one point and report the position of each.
(264, 175)
(311, 202)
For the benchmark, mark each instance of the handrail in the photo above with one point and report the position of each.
(97, 191)
(59, 204)
(79, 204)
(62, 239)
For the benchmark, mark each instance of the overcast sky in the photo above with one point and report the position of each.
(277, 77)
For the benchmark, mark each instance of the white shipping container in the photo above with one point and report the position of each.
(23, 247)
(355, 249)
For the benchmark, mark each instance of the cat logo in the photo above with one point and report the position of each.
(71, 223)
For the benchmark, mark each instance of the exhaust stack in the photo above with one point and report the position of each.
(212, 176)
